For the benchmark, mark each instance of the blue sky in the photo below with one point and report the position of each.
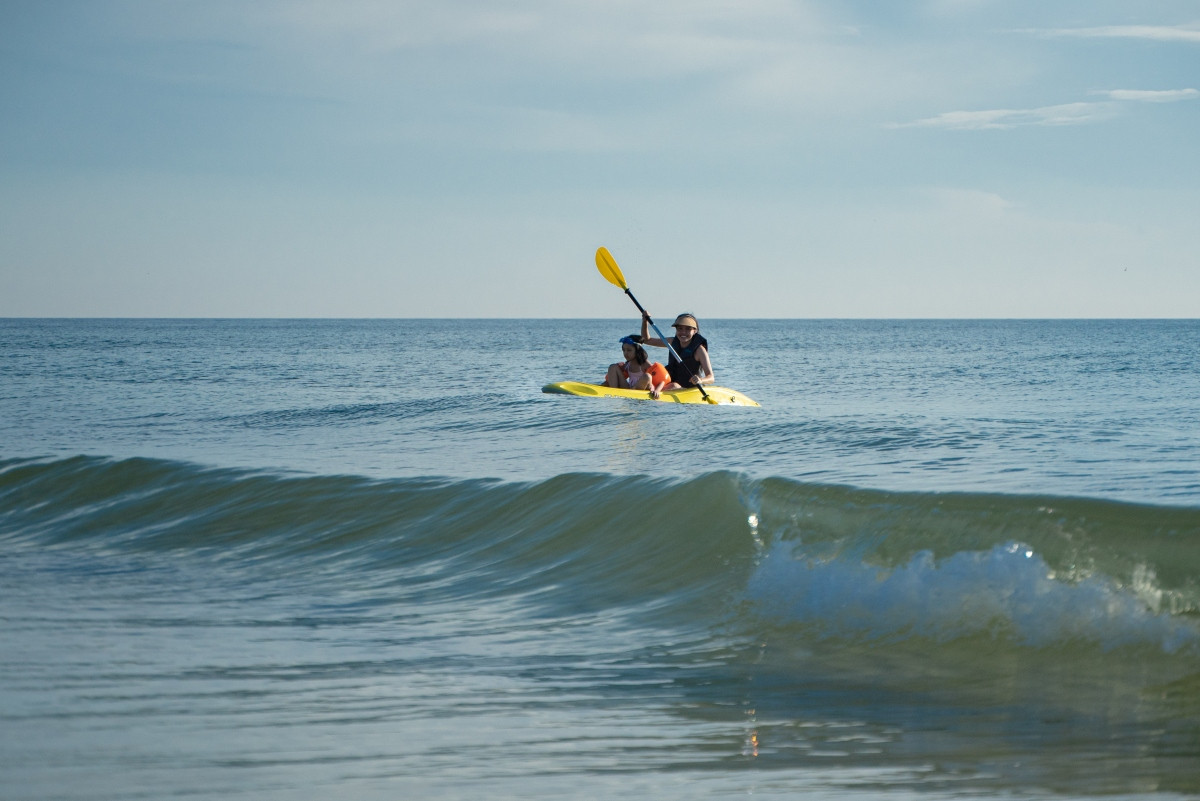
(934, 158)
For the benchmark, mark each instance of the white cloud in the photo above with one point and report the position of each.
(1064, 114)
(1003, 119)
(625, 36)
(1158, 33)
(1150, 95)
(979, 202)
(954, 7)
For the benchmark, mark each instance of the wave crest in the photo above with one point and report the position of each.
(837, 561)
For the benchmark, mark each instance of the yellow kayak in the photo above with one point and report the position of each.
(721, 395)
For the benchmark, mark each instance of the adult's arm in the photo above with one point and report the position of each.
(706, 365)
(646, 338)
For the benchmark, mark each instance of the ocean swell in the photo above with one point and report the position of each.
(835, 563)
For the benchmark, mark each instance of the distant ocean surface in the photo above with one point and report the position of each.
(313, 559)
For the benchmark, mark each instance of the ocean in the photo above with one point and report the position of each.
(370, 559)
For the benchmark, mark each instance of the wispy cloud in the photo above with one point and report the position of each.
(1158, 33)
(1151, 95)
(1065, 114)
(976, 202)
(1002, 119)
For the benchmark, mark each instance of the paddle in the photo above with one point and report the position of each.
(607, 266)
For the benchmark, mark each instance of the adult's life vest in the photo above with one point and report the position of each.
(681, 373)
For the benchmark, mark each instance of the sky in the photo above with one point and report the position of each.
(757, 158)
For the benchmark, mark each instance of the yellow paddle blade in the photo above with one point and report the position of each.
(607, 266)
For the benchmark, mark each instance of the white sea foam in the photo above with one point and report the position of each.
(1008, 591)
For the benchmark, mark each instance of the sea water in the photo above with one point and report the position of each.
(371, 559)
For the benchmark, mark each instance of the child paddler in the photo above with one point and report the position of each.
(637, 371)
(696, 368)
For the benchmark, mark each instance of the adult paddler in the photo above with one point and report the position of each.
(696, 368)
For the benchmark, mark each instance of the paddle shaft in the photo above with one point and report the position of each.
(667, 342)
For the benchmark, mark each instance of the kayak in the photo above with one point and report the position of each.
(723, 396)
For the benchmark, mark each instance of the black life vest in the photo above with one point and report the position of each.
(681, 373)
